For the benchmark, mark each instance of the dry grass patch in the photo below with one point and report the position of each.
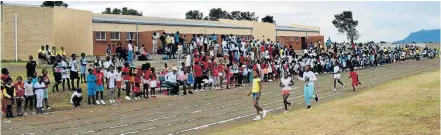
(407, 106)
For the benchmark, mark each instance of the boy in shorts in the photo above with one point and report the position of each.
(256, 92)
(99, 85)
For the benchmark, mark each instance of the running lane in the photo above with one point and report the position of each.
(202, 112)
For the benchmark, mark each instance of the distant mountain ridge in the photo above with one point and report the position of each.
(422, 36)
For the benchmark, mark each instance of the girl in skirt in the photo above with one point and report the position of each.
(65, 73)
(57, 71)
(286, 84)
(153, 83)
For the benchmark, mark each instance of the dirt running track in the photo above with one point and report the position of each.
(200, 113)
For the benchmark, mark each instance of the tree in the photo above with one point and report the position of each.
(217, 13)
(123, 11)
(250, 16)
(268, 19)
(236, 15)
(194, 14)
(345, 23)
(53, 4)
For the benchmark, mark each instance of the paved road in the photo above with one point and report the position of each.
(199, 113)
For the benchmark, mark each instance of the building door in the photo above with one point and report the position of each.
(304, 44)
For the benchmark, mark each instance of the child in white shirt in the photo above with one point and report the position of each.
(76, 97)
(112, 76)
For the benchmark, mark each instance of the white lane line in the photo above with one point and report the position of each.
(146, 121)
(243, 116)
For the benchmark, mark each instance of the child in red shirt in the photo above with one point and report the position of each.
(99, 85)
(153, 83)
(19, 94)
(136, 91)
(353, 75)
(126, 78)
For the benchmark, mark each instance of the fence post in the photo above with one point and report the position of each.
(15, 37)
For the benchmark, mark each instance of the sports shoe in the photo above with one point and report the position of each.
(334, 89)
(128, 98)
(316, 97)
(196, 90)
(285, 111)
(48, 108)
(257, 118)
(25, 114)
(308, 107)
(264, 113)
(342, 86)
(97, 102)
(113, 101)
(110, 101)
(118, 100)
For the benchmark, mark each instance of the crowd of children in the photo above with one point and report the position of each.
(244, 62)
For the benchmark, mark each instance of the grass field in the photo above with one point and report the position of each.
(407, 106)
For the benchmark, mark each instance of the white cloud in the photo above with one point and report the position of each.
(378, 21)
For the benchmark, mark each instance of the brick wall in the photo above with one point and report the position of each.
(100, 46)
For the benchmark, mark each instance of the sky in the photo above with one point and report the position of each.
(378, 20)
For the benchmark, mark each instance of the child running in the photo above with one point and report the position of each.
(309, 78)
(256, 92)
(285, 85)
(354, 76)
(336, 74)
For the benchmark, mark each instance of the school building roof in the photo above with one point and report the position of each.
(290, 28)
(96, 19)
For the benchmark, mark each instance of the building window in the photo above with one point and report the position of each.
(297, 39)
(100, 35)
(130, 36)
(115, 36)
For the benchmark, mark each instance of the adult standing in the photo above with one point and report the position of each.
(155, 42)
(130, 50)
(162, 38)
(176, 43)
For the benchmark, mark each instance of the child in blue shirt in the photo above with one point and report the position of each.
(91, 88)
